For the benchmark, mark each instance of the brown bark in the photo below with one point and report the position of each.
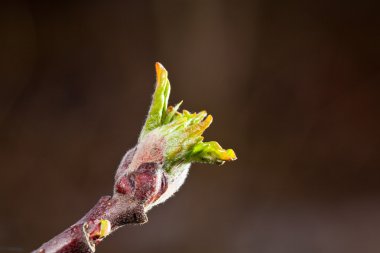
(78, 238)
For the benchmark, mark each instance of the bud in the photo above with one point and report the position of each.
(169, 142)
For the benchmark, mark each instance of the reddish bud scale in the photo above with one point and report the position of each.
(94, 230)
(124, 185)
(145, 185)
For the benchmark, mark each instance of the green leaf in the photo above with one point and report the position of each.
(182, 132)
(159, 102)
(211, 152)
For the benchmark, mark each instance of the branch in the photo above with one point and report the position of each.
(84, 235)
(148, 174)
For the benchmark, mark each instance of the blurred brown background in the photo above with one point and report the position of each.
(293, 87)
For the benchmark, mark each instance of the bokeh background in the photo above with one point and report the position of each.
(293, 87)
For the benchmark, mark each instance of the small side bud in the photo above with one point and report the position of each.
(100, 230)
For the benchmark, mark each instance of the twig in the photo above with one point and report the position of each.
(148, 174)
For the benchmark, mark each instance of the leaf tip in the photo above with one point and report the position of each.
(229, 155)
(161, 72)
